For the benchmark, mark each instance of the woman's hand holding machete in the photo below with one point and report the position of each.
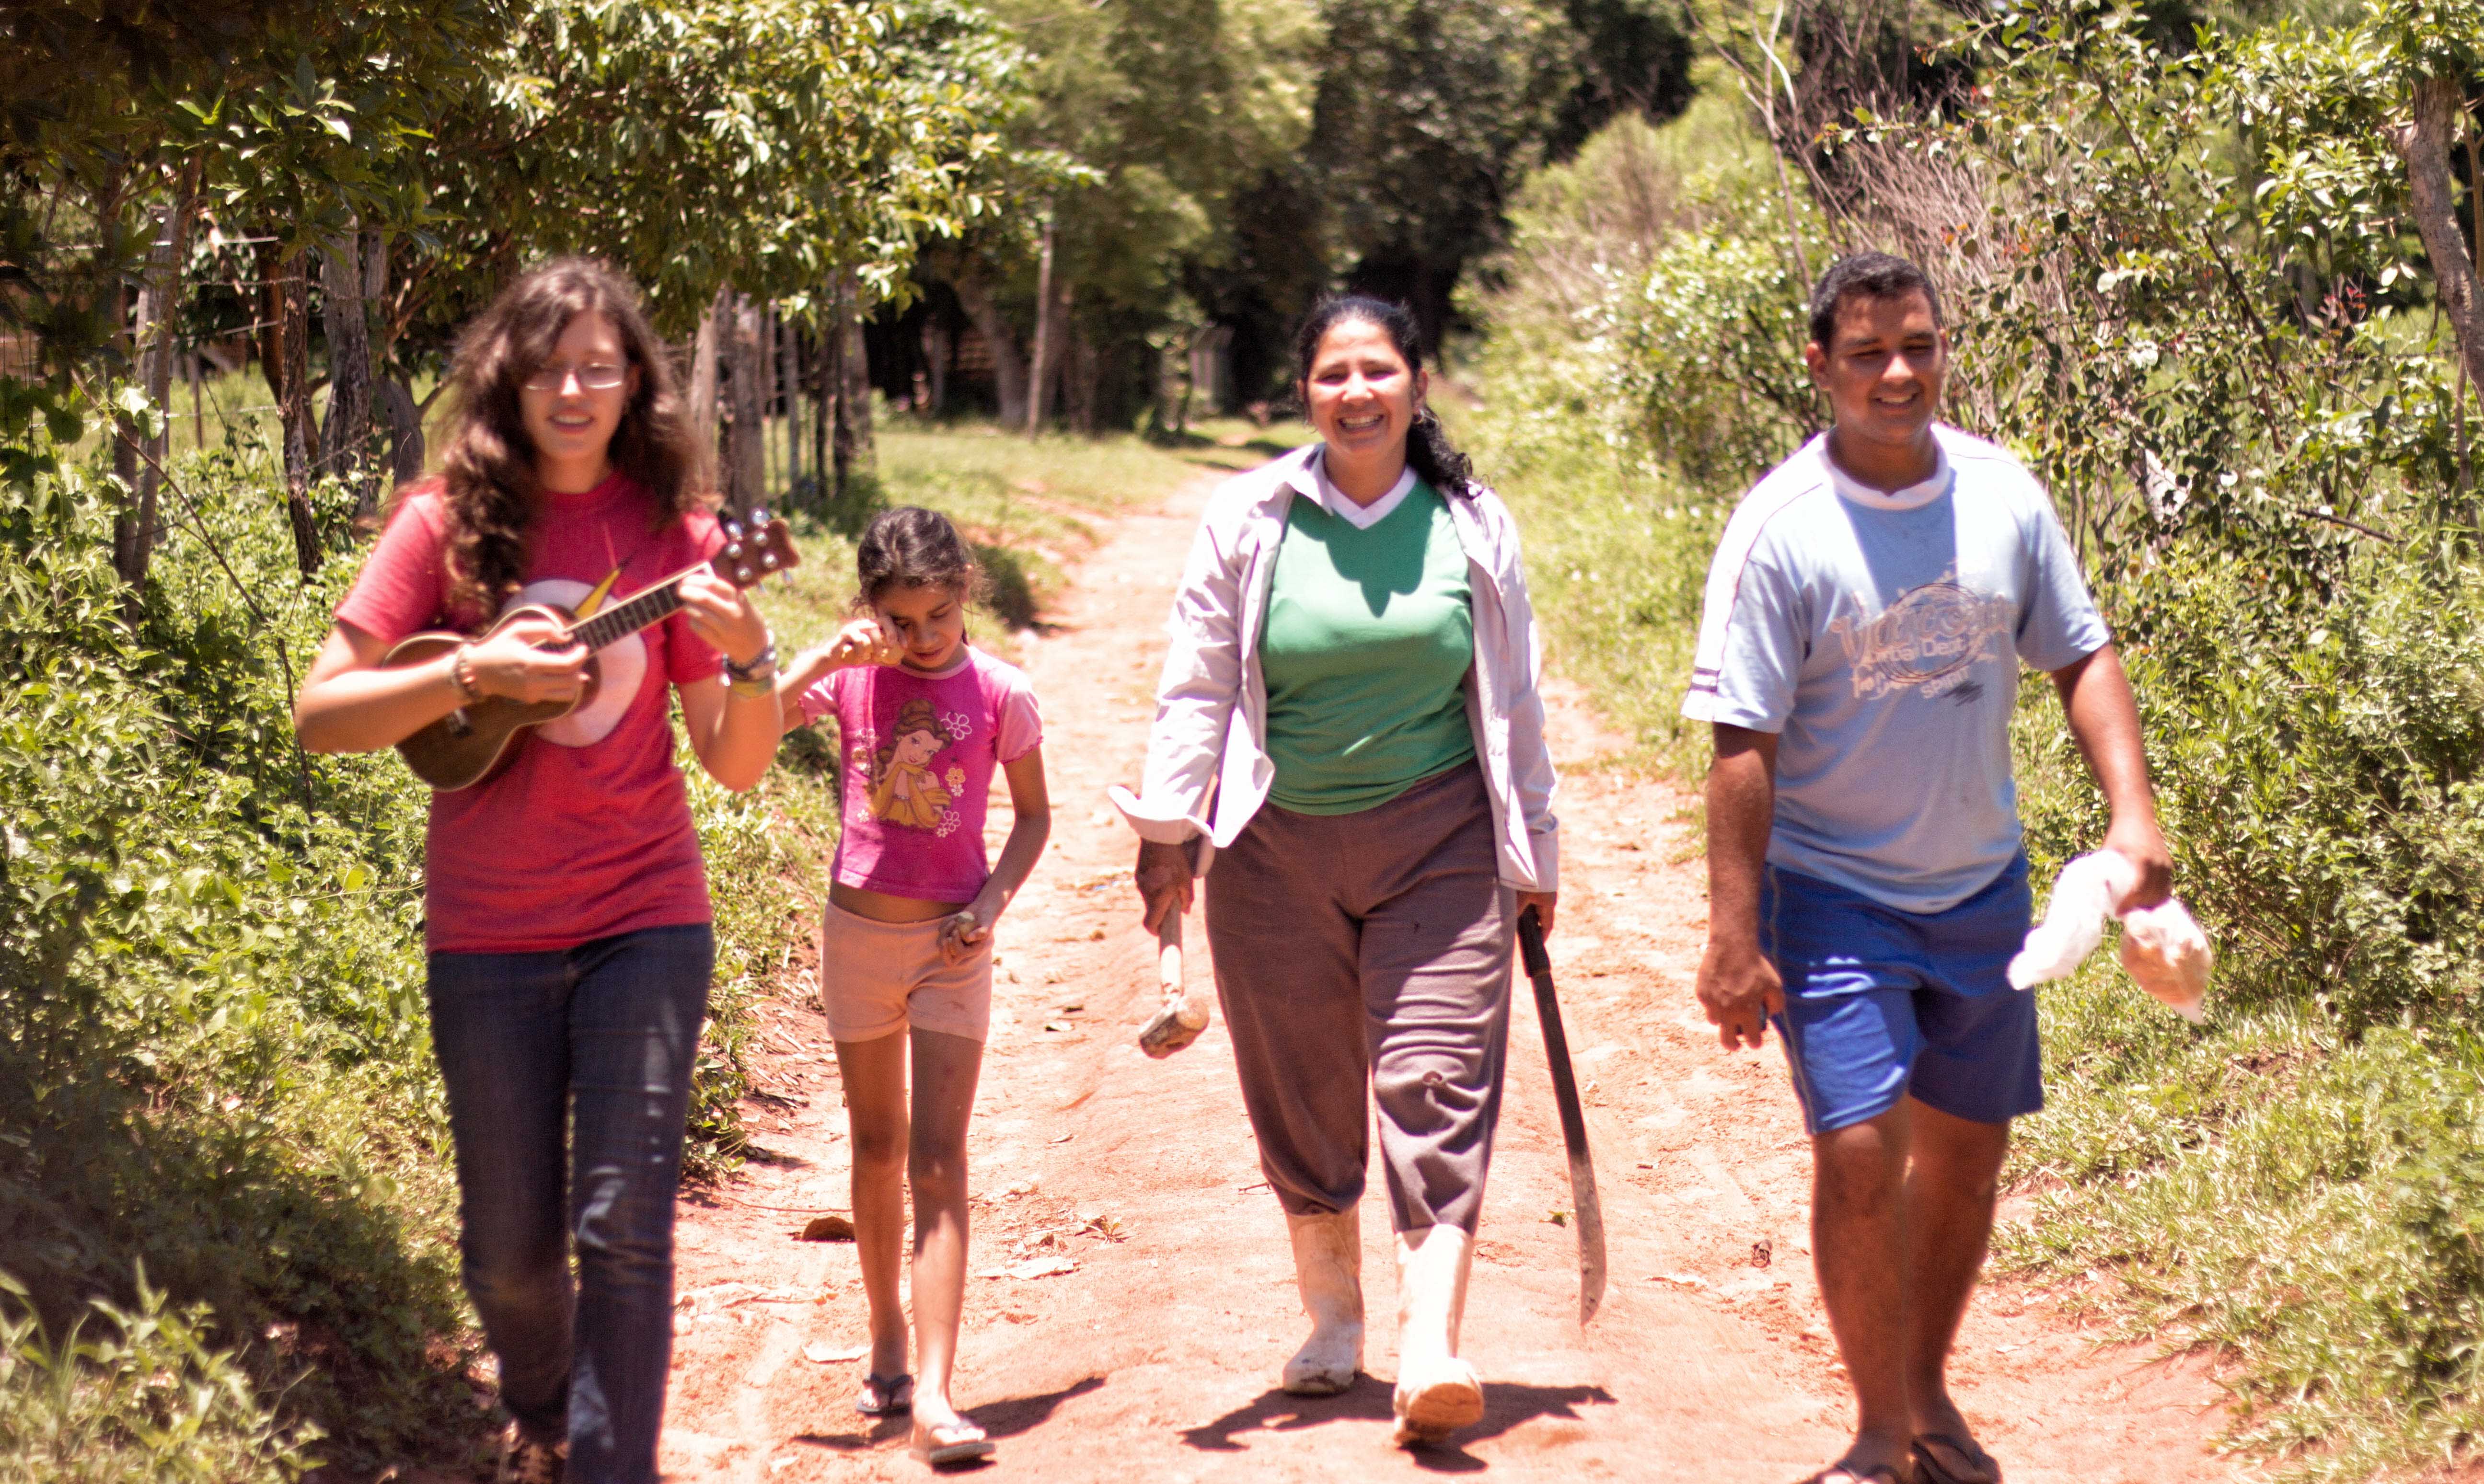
(1164, 882)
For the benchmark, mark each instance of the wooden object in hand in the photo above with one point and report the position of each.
(1182, 1016)
(465, 747)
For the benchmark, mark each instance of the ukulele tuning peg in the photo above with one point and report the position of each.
(759, 518)
(732, 529)
(767, 562)
(733, 549)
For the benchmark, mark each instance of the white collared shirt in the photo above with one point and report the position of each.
(1207, 768)
(1339, 503)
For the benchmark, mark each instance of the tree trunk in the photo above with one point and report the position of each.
(345, 435)
(704, 354)
(1046, 318)
(789, 383)
(294, 406)
(269, 256)
(1009, 367)
(747, 366)
(825, 376)
(405, 430)
(133, 534)
(936, 363)
(852, 437)
(2423, 144)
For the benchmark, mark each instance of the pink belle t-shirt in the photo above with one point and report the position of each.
(584, 832)
(920, 752)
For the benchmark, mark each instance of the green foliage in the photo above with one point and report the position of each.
(1618, 386)
(134, 1394)
(1427, 115)
(768, 143)
(215, 1060)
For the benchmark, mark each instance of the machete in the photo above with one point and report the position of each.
(1589, 1213)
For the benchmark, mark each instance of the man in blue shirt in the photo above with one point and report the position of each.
(1868, 610)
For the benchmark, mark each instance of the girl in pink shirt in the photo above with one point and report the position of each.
(923, 721)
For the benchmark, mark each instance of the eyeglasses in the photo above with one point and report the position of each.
(594, 376)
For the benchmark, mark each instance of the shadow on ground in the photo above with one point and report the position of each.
(1506, 1405)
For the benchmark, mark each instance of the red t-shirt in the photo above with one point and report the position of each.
(585, 831)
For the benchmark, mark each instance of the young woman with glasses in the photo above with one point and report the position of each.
(565, 901)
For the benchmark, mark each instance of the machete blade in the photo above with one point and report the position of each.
(1586, 1208)
(1591, 1236)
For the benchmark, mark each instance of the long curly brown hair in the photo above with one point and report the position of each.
(489, 466)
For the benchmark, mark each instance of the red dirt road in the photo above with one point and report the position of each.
(1155, 1359)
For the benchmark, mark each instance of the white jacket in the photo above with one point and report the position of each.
(1209, 746)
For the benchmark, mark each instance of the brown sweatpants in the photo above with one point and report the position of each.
(1369, 949)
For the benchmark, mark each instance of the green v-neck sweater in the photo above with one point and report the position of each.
(1368, 639)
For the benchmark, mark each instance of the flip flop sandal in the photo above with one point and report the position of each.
(950, 1444)
(1975, 1465)
(886, 1396)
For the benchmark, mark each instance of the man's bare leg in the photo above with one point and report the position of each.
(1950, 1188)
(1858, 1228)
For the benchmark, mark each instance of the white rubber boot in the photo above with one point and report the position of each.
(1437, 1393)
(1328, 1267)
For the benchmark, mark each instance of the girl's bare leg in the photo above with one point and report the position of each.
(945, 1071)
(875, 1085)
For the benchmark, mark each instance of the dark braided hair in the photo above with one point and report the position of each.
(911, 547)
(1428, 449)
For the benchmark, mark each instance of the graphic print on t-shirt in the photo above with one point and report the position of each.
(620, 667)
(908, 786)
(1928, 640)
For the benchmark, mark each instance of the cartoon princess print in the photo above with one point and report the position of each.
(904, 789)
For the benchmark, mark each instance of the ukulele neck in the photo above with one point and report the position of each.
(640, 609)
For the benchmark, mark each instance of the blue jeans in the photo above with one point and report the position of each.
(605, 1032)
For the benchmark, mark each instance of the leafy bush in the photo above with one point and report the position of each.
(135, 1394)
(215, 1061)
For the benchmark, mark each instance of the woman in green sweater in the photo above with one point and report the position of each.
(1349, 717)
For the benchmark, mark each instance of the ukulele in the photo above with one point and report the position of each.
(468, 745)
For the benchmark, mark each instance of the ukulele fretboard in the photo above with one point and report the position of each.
(631, 615)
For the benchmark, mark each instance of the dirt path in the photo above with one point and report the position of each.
(1154, 1359)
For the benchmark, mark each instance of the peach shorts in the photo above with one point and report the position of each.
(877, 977)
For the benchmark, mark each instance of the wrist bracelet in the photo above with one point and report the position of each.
(755, 688)
(765, 659)
(458, 679)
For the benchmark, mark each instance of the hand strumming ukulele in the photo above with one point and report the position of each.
(465, 747)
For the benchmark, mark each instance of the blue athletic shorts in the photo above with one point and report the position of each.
(1881, 1003)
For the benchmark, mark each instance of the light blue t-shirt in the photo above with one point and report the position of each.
(1879, 634)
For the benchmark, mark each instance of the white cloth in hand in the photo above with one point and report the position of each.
(2083, 898)
(2162, 947)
